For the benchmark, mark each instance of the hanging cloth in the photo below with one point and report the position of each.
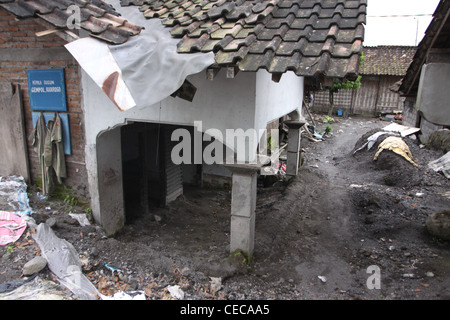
(39, 137)
(48, 143)
(55, 140)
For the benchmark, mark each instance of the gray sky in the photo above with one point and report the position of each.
(383, 29)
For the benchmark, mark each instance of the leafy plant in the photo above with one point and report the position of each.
(328, 129)
(327, 119)
(339, 84)
(10, 248)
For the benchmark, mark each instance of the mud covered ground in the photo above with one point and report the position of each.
(316, 234)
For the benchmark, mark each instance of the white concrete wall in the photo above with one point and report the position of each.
(222, 103)
(274, 100)
(249, 101)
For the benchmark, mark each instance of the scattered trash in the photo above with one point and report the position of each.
(176, 292)
(63, 261)
(403, 130)
(41, 196)
(322, 278)
(441, 164)
(36, 289)
(356, 186)
(13, 190)
(216, 284)
(408, 275)
(371, 141)
(397, 145)
(11, 227)
(110, 267)
(313, 135)
(395, 115)
(81, 218)
(420, 194)
(133, 295)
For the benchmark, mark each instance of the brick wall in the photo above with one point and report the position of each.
(20, 50)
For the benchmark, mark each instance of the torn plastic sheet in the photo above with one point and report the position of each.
(11, 227)
(36, 289)
(13, 195)
(144, 70)
(64, 262)
(120, 295)
(442, 164)
(81, 218)
(371, 141)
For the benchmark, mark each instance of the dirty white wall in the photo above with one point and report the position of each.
(248, 101)
(274, 100)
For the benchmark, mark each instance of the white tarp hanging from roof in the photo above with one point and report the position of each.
(144, 70)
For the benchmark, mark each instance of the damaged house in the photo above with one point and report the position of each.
(135, 72)
(425, 85)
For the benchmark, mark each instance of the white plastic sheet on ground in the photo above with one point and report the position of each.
(147, 67)
(37, 289)
(371, 141)
(64, 262)
(13, 195)
(442, 164)
(81, 218)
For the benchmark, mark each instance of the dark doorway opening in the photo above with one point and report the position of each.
(142, 167)
(150, 178)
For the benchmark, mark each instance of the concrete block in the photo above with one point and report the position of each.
(292, 163)
(242, 234)
(293, 140)
(243, 194)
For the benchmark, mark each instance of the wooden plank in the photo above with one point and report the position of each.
(13, 141)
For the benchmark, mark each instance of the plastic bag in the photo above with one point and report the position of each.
(64, 262)
(13, 195)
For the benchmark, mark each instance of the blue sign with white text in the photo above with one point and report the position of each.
(47, 89)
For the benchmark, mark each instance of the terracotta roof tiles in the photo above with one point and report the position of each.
(387, 60)
(310, 37)
(97, 17)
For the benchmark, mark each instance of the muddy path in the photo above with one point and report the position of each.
(316, 234)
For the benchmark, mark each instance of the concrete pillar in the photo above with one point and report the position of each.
(243, 204)
(293, 148)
